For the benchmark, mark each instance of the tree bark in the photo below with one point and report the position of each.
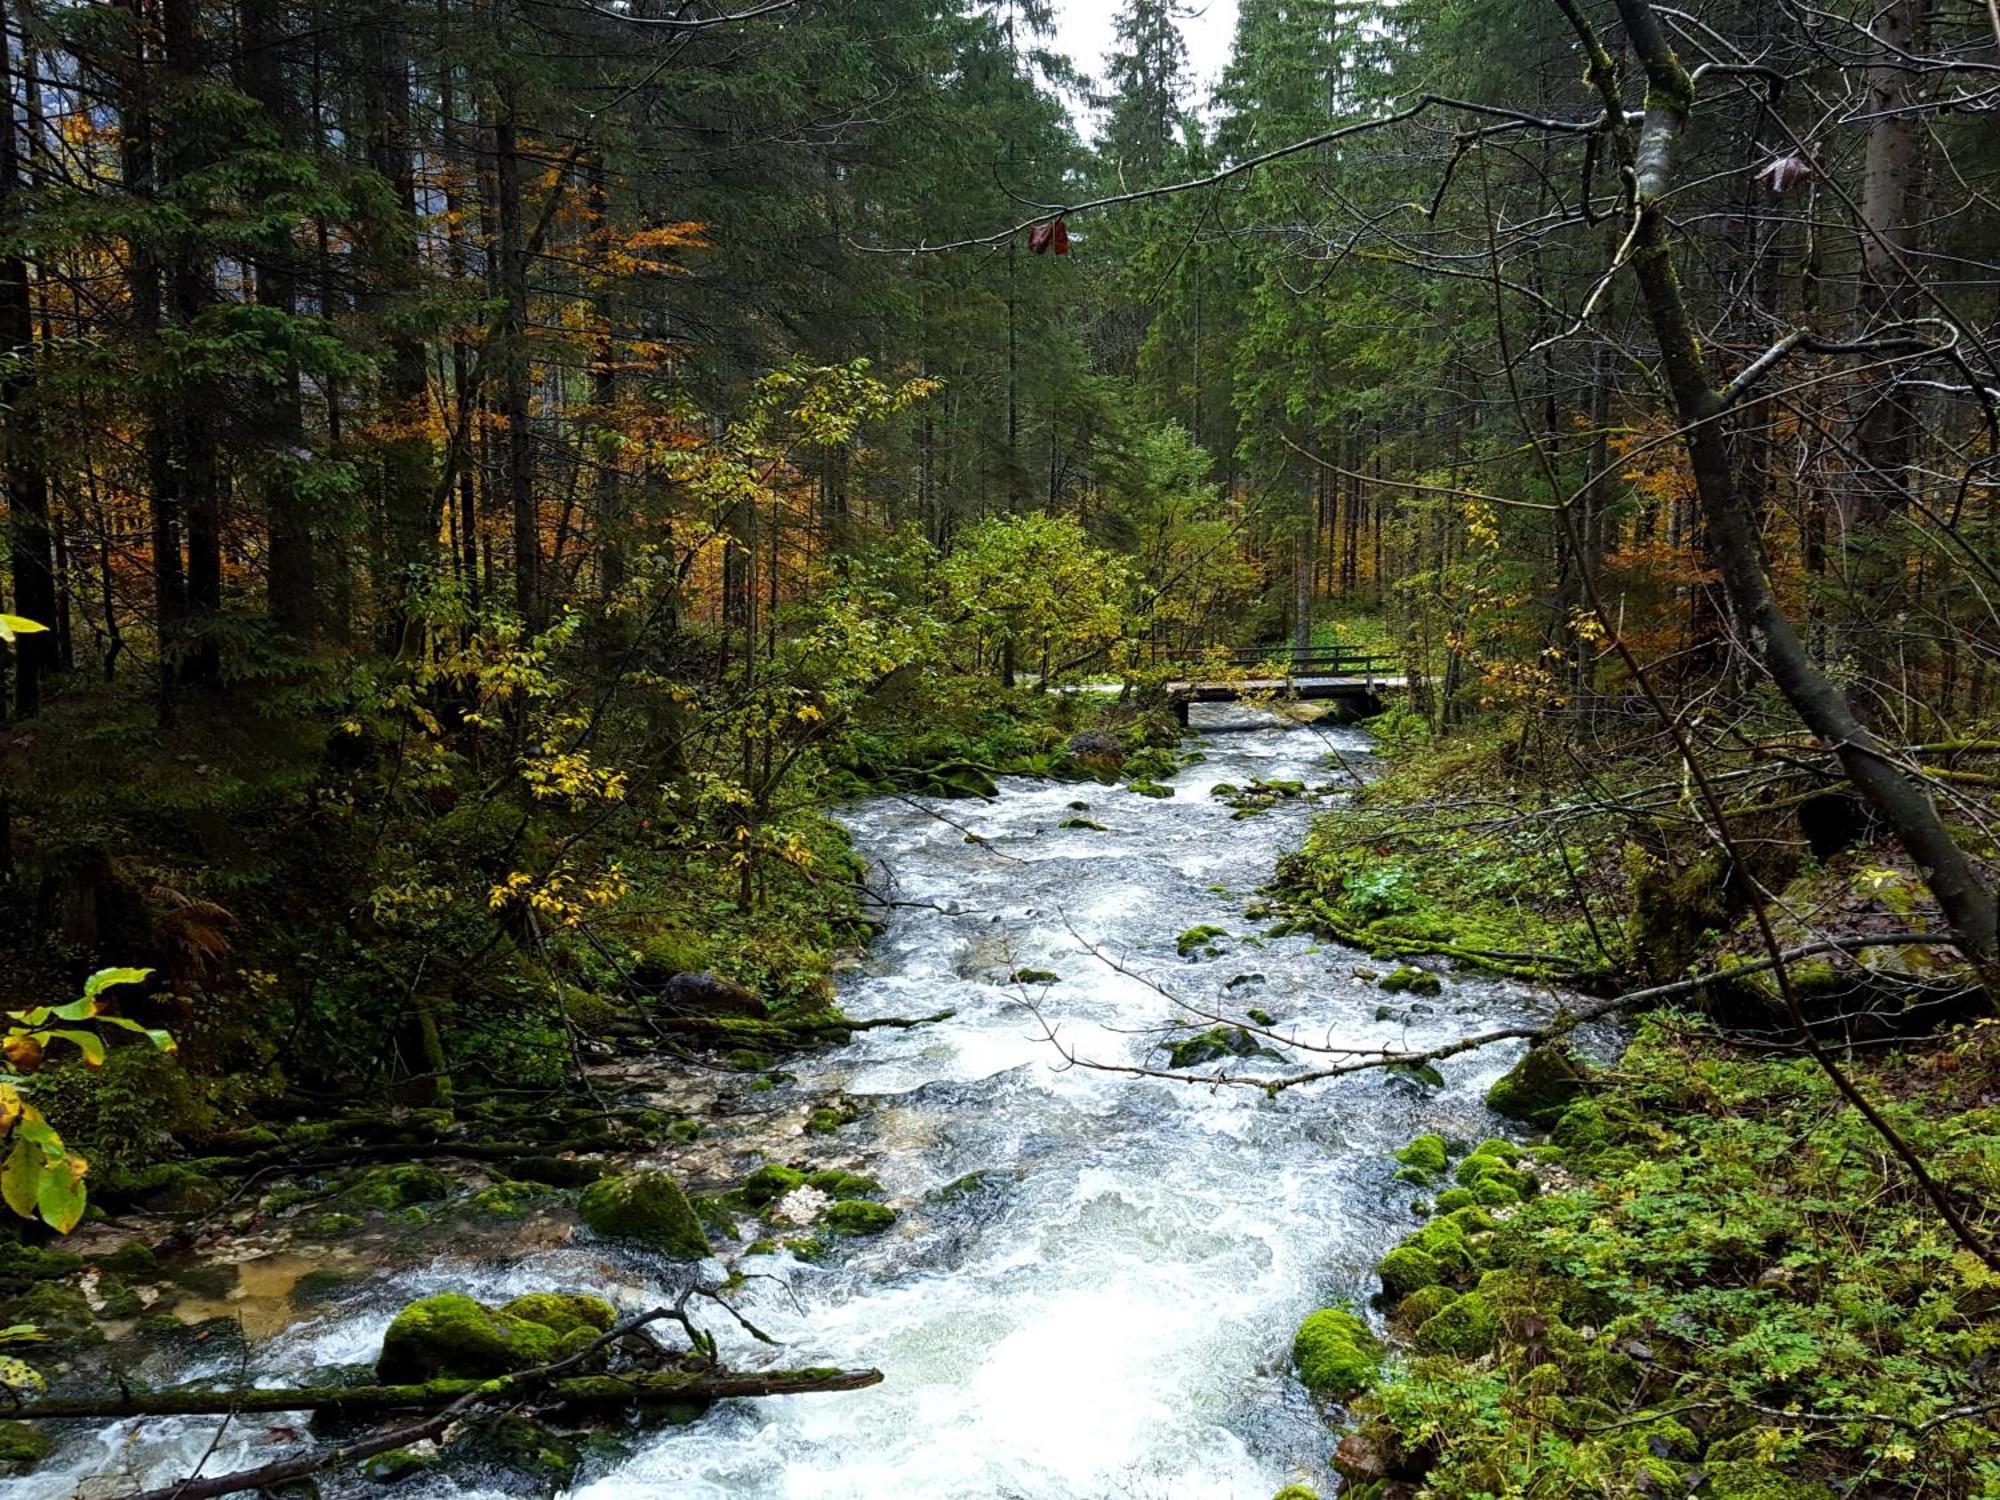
(30, 541)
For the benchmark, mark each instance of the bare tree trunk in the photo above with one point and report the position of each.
(30, 540)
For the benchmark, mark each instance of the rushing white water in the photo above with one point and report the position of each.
(1109, 1313)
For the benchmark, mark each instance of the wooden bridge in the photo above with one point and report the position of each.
(1354, 680)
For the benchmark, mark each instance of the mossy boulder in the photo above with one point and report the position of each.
(1480, 1169)
(1149, 789)
(1453, 1198)
(1336, 1354)
(60, 1313)
(450, 1335)
(837, 1184)
(768, 1184)
(563, 1312)
(855, 1217)
(1297, 1492)
(389, 1188)
(1405, 1269)
(1465, 1327)
(509, 1200)
(1410, 980)
(1426, 1153)
(22, 1446)
(538, 1460)
(1425, 1303)
(1745, 1480)
(1198, 940)
(648, 1207)
(1217, 1042)
(398, 1464)
(1538, 1088)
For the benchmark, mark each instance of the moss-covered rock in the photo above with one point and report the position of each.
(538, 1460)
(398, 1464)
(1297, 1492)
(508, 1200)
(769, 1183)
(563, 1312)
(60, 1313)
(837, 1184)
(1480, 1168)
(1540, 1086)
(1197, 940)
(1217, 1042)
(648, 1207)
(1336, 1354)
(1452, 1198)
(561, 1171)
(1149, 789)
(1426, 1153)
(1425, 1303)
(1410, 980)
(1405, 1269)
(857, 1216)
(22, 1447)
(1465, 1327)
(393, 1187)
(450, 1335)
(1745, 1480)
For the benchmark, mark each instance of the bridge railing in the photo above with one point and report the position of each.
(1320, 661)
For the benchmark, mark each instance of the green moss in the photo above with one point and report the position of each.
(393, 1187)
(1452, 1198)
(1466, 1327)
(1477, 1169)
(398, 1464)
(60, 1313)
(1296, 1492)
(1199, 939)
(1540, 1086)
(563, 1312)
(648, 1207)
(1083, 823)
(508, 1200)
(1493, 1192)
(1426, 1152)
(1405, 1269)
(857, 1216)
(769, 1183)
(133, 1259)
(838, 1184)
(515, 1445)
(1149, 789)
(22, 1447)
(331, 1226)
(1411, 980)
(1217, 1042)
(450, 1335)
(1422, 1305)
(1742, 1480)
(1336, 1354)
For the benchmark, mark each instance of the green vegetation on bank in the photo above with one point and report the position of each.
(1722, 1288)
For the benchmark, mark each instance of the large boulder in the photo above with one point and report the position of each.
(451, 1336)
(1336, 1354)
(648, 1207)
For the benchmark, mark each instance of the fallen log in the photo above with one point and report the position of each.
(577, 1393)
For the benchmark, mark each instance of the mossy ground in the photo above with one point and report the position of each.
(1747, 1293)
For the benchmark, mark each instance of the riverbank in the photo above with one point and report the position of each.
(1721, 1281)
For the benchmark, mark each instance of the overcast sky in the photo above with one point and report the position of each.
(1085, 34)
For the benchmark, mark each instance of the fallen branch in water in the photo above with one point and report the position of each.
(1363, 1059)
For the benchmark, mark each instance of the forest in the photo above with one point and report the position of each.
(776, 748)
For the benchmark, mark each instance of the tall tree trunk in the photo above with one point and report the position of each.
(514, 368)
(191, 289)
(409, 508)
(30, 540)
(290, 576)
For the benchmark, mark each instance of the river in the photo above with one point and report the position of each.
(1108, 1313)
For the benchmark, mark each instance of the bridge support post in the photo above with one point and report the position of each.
(1181, 711)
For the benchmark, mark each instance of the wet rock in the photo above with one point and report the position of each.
(537, 1460)
(451, 1336)
(648, 1207)
(857, 1217)
(707, 994)
(509, 1200)
(1096, 750)
(562, 1171)
(61, 1313)
(1409, 979)
(389, 1188)
(1197, 941)
(1336, 1355)
(22, 1447)
(1221, 1041)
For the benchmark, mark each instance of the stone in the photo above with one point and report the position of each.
(450, 1335)
(648, 1207)
(856, 1217)
(1335, 1354)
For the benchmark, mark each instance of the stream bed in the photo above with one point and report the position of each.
(1106, 1309)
